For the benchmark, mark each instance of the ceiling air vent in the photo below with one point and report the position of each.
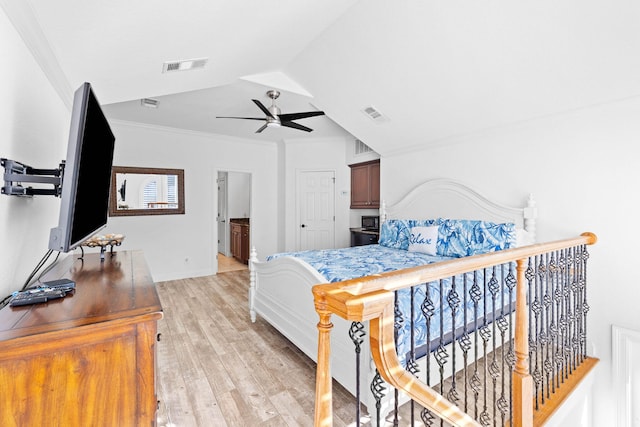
(149, 102)
(374, 114)
(184, 65)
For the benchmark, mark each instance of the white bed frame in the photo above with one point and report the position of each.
(280, 290)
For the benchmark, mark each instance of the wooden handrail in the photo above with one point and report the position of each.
(383, 351)
(370, 298)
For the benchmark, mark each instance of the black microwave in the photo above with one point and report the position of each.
(370, 222)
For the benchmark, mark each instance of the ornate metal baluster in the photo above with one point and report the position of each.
(412, 365)
(572, 348)
(579, 311)
(428, 310)
(581, 307)
(485, 333)
(398, 324)
(357, 333)
(537, 309)
(441, 355)
(585, 305)
(511, 356)
(555, 326)
(465, 343)
(546, 339)
(494, 369)
(503, 325)
(564, 328)
(454, 303)
(476, 294)
(530, 276)
(378, 390)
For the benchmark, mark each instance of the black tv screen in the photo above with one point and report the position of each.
(87, 173)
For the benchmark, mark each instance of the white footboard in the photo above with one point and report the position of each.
(280, 293)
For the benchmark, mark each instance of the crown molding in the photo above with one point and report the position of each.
(26, 24)
(201, 134)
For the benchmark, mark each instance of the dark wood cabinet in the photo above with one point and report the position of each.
(88, 358)
(365, 185)
(240, 239)
(364, 237)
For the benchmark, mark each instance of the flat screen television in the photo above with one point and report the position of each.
(86, 177)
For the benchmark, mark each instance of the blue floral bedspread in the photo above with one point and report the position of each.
(348, 263)
(446, 296)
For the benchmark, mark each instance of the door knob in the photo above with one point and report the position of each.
(303, 226)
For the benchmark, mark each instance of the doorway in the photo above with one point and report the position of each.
(234, 202)
(221, 218)
(316, 210)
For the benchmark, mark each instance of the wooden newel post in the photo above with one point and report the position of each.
(323, 404)
(522, 380)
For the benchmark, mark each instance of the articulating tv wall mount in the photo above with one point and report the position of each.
(16, 173)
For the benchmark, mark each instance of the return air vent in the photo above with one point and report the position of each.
(184, 65)
(362, 148)
(374, 114)
(149, 102)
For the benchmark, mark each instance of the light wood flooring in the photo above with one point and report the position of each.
(216, 368)
(227, 264)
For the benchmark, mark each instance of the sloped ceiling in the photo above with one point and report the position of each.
(437, 71)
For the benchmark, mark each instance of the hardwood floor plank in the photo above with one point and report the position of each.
(217, 368)
(171, 386)
(291, 412)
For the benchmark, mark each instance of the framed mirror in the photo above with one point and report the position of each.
(146, 191)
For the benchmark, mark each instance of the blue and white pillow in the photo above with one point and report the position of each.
(424, 239)
(395, 233)
(456, 237)
(461, 237)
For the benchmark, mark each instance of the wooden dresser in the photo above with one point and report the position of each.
(87, 359)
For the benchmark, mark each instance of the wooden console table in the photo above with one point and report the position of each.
(87, 359)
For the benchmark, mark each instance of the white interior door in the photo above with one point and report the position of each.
(222, 213)
(316, 209)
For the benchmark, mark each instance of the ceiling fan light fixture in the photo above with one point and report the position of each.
(274, 118)
(273, 123)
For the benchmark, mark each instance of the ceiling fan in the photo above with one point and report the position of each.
(273, 117)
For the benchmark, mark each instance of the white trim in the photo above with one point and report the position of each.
(180, 131)
(626, 353)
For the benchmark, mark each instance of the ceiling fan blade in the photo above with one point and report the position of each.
(246, 118)
(262, 128)
(296, 116)
(263, 108)
(295, 126)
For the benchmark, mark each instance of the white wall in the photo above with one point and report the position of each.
(238, 194)
(583, 169)
(34, 128)
(178, 246)
(316, 155)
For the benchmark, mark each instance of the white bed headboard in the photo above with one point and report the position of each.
(446, 198)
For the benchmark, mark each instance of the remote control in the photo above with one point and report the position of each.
(65, 285)
(35, 296)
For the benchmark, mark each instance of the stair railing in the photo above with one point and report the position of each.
(371, 299)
